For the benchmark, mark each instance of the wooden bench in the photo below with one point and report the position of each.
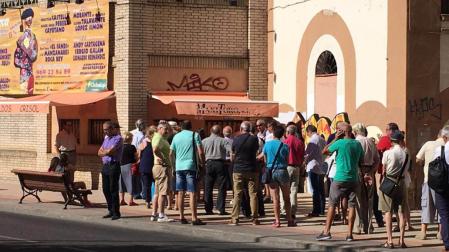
(33, 182)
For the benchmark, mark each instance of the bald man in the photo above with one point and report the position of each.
(215, 148)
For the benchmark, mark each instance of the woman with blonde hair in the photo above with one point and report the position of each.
(129, 157)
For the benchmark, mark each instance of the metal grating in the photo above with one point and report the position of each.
(198, 62)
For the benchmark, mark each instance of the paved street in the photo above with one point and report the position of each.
(29, 233)
(40, 226)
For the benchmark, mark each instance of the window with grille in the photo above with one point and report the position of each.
(75, 127)
(96, 134)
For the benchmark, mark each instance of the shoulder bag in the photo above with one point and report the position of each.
(267, 176)
(390, 187)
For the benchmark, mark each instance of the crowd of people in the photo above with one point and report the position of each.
(266, 162)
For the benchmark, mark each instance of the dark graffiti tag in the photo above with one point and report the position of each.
(425, 106)
(194, 83)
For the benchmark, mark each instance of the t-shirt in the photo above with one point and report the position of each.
(183, 148)
(164, 147)
(427, 154)
(270, 149)
(245, 153)
(215, 147)
(393, 160)
(349, 154)
(128, 156)
(446, 152)
(138, 137)
(296, 150)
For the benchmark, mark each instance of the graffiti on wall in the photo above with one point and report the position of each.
(195, 83)
(426, 106)
(325, 126)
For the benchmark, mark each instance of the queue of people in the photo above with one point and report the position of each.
(264, 162)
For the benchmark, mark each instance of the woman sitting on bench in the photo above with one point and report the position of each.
(61, 165)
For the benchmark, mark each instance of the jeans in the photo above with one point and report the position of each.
(240, 179)
(318, 197)
(293, 173)
(442, 204)
(215, 172)
(147, 180)
(110, 178)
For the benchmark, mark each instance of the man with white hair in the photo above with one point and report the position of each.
(295, 160)
(138, 136)
(442, 200)
(368, 167)
(244, 150)
(428, 209)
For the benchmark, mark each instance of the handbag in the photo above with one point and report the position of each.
(390, 187)
(267, 176)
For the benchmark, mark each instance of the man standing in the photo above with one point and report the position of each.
(186, 151)
(368, 167)
(428, 210)
(111, 153)
(442, 200)
(161, 171)
(244, 150)
(346, 180)
(215, 148)
(295, 160)
(138, 137)
(66, 142)
(314, 160)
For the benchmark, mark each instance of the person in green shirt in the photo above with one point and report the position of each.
(346, 183)
(161, 172)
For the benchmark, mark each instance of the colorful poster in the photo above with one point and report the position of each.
(64, 48)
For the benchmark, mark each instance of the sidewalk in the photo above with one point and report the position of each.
(137, 217)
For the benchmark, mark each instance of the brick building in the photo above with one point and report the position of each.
(159, 52)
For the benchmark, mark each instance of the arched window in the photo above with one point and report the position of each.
(326, 64)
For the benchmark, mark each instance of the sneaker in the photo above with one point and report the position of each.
(349, 238)
(198, 222)
(153, 218)
(324, 236)
(292, 223)
(164, 219)
(115, 217)
(109, 215)
(396, 229)
(184, 221)
(233, 223)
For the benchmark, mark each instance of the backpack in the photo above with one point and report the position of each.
(438, 174)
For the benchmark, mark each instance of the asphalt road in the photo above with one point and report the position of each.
(30, 233)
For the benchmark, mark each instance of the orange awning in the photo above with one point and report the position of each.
(217, 104)
(41, 103)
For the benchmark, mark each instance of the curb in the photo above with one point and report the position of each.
(226, 234)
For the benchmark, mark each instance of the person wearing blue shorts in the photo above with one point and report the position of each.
(186, 154)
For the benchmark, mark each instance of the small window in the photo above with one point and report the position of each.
(75, 127)
(96, 134)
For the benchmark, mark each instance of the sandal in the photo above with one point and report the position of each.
(276, 224)
(133, 203)
(388, 245)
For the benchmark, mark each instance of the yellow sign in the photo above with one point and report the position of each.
(65, 48)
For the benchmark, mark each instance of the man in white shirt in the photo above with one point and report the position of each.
(66, 142)
(314, 161)
(138, 137)
(442, 200)
(428, 213)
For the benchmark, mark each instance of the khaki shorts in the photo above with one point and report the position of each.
(387, 204)
(161, 179)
